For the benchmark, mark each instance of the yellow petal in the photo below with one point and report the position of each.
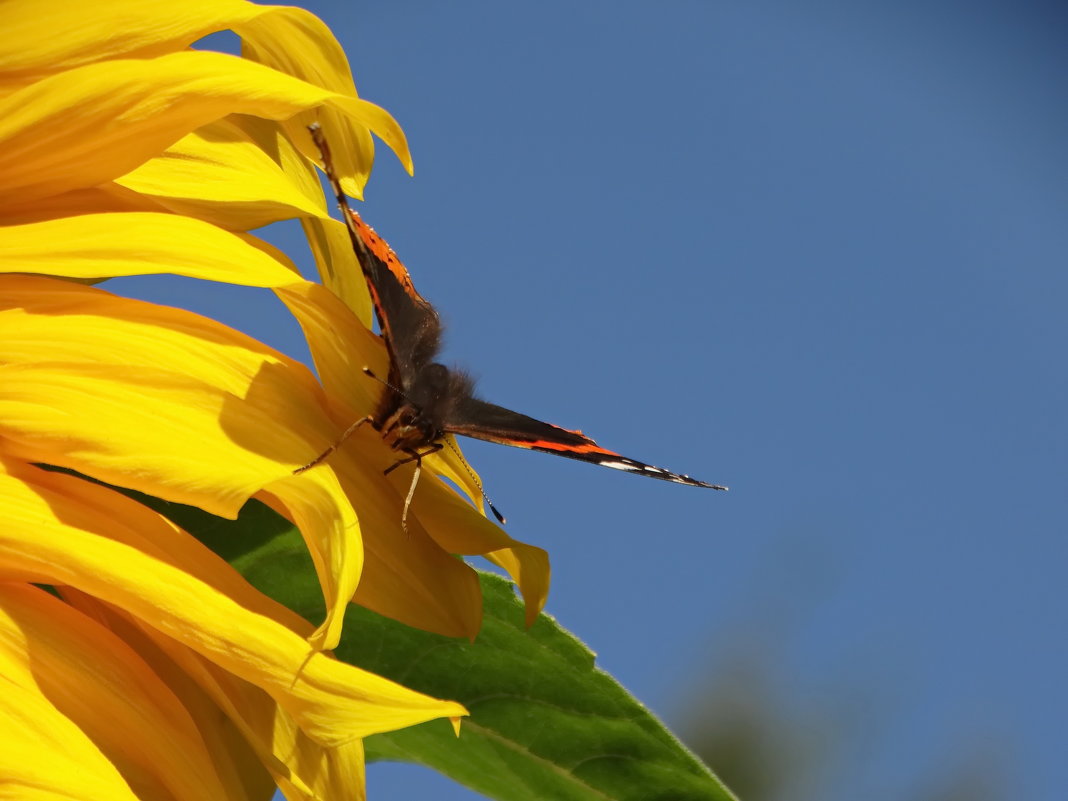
(34, 45)
(297, 43)
(220, 175)
(106, 198)
(332, 533)
(104, 687)
(328, 238)
(223, 418)
(340, 345)
(407, 576)
(338, 268)
(95, 123)
(106, 545)
(141, 243)
(156, 399)
(176, 406)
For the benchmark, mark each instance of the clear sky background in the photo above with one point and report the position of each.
(815, 251)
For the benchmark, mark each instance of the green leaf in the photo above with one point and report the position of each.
(545, 721)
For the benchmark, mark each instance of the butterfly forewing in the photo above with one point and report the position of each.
(481, 420)
(410, 325)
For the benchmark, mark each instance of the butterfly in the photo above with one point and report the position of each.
(422, 399)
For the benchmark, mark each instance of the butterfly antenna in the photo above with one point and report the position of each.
(478, 483)
(368, 372)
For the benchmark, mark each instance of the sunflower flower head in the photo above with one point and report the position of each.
(137, 659)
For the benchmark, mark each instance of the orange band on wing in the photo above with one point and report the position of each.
(590, 447)
(381, 249)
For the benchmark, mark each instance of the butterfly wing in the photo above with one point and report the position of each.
(411, 329)
(477, 418)
(410, 325)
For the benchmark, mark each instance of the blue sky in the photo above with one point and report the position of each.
(812, 251)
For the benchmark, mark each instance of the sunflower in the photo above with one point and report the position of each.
(138, 662)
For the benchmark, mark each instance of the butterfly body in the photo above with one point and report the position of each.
(424, 400)
(417, 419)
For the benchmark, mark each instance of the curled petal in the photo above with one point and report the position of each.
(71, 532)
(334, 541)
(453, 525)
(94, 123)
(259, 736)
(296, 42)
(108, 691)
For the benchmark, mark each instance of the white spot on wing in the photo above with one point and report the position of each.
(620, 465)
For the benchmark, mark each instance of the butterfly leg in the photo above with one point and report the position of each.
(337, 444)
(416, 457)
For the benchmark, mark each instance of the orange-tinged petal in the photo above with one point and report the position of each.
(55, 527)
(45, 757)
(141, 243)
(455, 526)
(104, 687)
(301, 767)
(257, 735)
(95, 123)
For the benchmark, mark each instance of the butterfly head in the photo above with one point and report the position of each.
(415, 417)
(408, 428)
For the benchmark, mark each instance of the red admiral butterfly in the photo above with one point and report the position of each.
(425, 400)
